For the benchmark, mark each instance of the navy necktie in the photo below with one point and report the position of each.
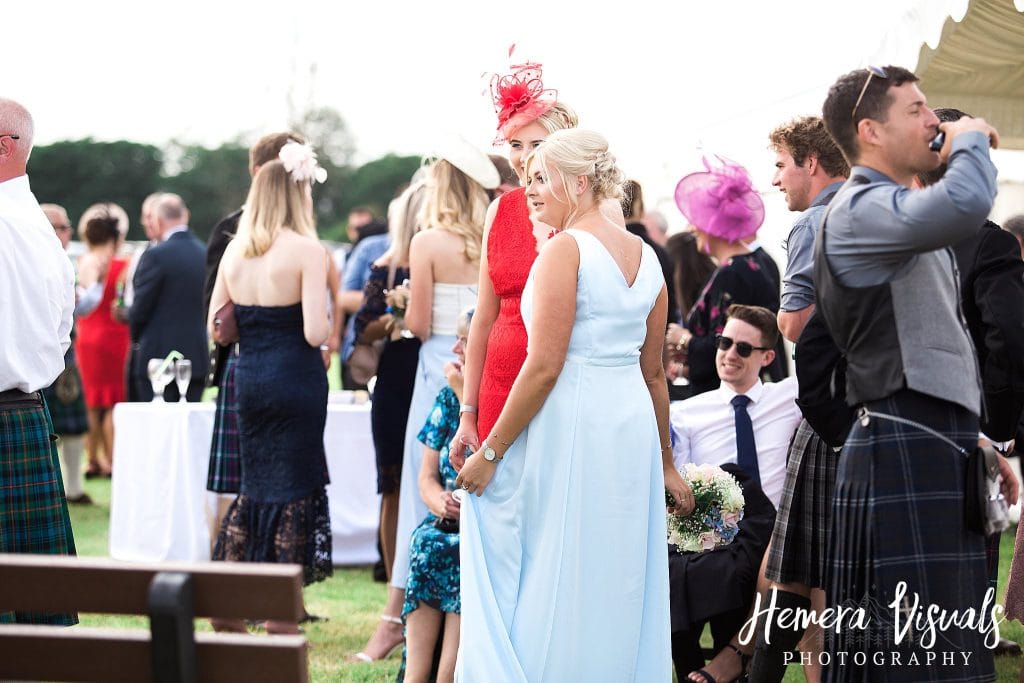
(746, 449)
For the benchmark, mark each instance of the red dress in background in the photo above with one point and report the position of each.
(511, 250)
(102, 347)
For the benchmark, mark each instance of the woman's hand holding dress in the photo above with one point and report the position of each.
(476, 473)
(465, 436)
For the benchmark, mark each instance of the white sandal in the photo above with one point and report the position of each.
(363, 657)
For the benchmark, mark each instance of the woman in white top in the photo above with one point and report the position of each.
(444, 267)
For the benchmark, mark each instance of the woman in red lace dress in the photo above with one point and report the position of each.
(102, 342)
(527, 113)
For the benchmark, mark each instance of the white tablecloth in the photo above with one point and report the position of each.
(160, 508)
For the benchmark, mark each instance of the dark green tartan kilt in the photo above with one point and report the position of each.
(66, 400)
(33, 508)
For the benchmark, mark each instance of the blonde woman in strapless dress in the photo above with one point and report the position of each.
(444, 265)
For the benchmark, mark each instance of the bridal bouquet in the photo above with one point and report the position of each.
(715, 520)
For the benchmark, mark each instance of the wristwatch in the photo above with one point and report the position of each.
(490, 455)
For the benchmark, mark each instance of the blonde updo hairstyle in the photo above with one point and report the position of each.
(574, 152)
(456, 203)
(276, 202)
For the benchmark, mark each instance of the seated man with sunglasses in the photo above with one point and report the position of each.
(745, 427)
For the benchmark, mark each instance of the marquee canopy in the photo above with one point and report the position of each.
(978, 66)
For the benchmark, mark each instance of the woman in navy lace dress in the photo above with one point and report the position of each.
(432, 604)
(275, 272)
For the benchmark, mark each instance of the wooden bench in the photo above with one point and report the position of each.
(172, 595)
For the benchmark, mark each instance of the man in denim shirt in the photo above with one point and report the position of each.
(809, 170)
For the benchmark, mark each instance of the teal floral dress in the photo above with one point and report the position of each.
(433, 551)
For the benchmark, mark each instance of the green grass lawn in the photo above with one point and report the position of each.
(351, 602)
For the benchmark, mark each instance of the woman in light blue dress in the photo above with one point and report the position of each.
(564, 574)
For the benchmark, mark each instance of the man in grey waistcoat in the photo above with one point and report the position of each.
(888, 289)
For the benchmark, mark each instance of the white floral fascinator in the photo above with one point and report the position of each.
(300, 161)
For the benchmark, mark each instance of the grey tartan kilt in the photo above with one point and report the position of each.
(898, 516)
(798, 551)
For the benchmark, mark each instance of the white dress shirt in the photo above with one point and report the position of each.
(37, 292)
(704, 429)
(180, 227)
(129, 278)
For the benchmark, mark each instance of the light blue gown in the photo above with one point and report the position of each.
(564, 569)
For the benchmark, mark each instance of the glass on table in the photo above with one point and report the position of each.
(182, 376)
(155, 371)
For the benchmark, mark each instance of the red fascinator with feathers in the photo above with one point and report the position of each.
(519, 97)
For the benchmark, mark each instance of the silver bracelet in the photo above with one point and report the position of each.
(465, 408)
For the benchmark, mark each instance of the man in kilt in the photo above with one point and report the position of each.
(888, 290)
(809, 170)
(36, 305)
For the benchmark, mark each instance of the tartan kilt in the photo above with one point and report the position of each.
(798, 552)
(898, 516)
(66, 400)
(33, 509)
(225, 470)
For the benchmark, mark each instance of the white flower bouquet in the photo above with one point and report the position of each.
(715, 519)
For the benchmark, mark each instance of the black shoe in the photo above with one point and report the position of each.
(84, 499)
(1007, 648)
(308, 618)
(380, 574)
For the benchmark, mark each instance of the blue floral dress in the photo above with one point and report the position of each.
(434, 553)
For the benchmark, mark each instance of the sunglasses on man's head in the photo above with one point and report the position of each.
(742, 348)
(872, 72)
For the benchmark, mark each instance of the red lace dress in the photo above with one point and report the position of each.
(511, 250)
(102, 347)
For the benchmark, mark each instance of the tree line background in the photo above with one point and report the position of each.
(213, 182)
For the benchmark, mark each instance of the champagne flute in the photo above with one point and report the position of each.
(166, 377)
(182, 376)
(155, 378)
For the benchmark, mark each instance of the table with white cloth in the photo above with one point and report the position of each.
(160, 508)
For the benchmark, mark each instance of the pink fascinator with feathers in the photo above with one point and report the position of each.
(519, 97)
(721, 201)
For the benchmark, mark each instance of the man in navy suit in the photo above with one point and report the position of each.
(167, 312)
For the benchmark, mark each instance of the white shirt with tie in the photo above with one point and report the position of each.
(37, 292)
(704, 429)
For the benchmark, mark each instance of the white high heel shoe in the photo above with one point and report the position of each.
(363, 657)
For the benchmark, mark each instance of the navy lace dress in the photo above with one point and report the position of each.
(433, 551)
(281, 512)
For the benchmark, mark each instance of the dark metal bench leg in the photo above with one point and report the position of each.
(171, 611)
